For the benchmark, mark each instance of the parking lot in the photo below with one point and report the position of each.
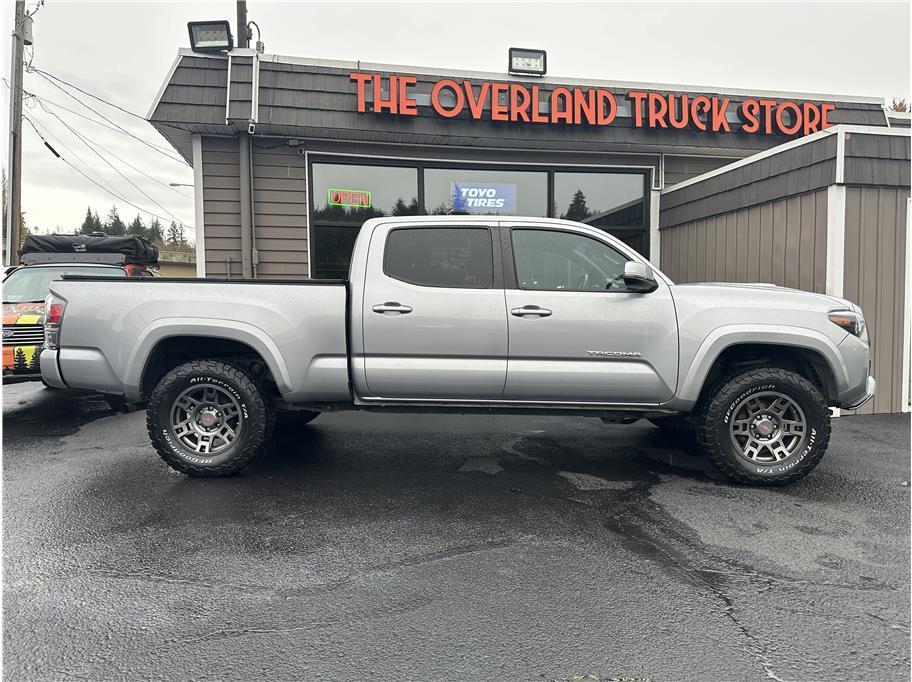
(374, 546)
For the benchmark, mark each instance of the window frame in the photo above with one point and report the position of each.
(420, 164)
(496, 272)
(513, 274)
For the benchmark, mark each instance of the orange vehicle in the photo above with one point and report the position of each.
(45, 259)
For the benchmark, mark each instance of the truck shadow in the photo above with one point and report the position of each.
(610, 452)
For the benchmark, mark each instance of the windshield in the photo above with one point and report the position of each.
(31, 284)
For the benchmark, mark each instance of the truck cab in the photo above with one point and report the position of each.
(525, 311)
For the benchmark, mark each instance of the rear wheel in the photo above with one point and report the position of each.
(208, 418)
(766, 426)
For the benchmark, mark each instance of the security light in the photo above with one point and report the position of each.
(210, 36)
(527, 62)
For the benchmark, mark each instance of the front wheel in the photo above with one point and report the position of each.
(208, 418)
(766, 426)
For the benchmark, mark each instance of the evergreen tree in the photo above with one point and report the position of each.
(96, 223)
(137, 227)
(155, 231)
(577, 210)
(19, 362)
(114, 225)
(176, 234)
(399, 208)
(88, 225)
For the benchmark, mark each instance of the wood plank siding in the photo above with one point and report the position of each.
(782, 242)
(221, 206)
(279, 205)
(280, 211)
(875, 247)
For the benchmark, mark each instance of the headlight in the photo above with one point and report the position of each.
(849, 320)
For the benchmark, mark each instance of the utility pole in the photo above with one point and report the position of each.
(243, 33)
(14, 174)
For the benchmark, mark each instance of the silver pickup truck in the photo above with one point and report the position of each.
(469, 314)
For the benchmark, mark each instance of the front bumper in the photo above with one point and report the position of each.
(870, 389)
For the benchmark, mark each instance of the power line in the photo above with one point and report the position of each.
(119, 158)
(67, 162)
(64, 145)
(84, 92)
(48, 78)
(112, 166)
(42, 98)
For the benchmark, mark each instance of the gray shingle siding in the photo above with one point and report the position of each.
(877, 160)
(796, 171)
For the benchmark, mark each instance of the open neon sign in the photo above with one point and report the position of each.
(348, 197)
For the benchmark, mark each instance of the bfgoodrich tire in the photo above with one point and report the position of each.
(766, 426)
(208, 418)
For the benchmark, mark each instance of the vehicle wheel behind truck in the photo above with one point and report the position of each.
(208, 418)
(766, 426)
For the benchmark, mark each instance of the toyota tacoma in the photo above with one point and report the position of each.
(468, 314)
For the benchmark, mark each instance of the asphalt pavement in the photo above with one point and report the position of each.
(387, 547)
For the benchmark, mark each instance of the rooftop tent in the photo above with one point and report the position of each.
(123, 249)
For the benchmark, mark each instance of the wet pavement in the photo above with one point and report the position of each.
(448, 547)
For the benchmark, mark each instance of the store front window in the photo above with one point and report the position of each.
(344, 195)
(614, 202)
(485, 192)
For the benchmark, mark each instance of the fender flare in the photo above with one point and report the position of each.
(727, 336)
(230, 330)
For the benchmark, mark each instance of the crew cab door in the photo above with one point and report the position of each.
(576, 333)
(433, 316)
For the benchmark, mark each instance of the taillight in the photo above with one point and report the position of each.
(54, 313)
(53, 316)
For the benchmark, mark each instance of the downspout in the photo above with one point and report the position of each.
(251, 128)
(244, 175)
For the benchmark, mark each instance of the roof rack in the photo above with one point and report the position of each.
(100, 258)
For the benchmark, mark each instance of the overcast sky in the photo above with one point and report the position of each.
(122, 51)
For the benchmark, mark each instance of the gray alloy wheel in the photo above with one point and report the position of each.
(768, 427)
(763, 425)
(206, 419)
(209, 417)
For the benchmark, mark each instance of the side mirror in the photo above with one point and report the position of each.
(639, 278)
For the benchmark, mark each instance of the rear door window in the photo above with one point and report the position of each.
(461, 257)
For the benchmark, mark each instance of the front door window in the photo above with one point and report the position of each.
(552, 260)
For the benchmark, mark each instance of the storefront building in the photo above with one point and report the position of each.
(291, 155)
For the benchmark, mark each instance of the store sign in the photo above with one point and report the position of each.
(483, 197)
(520, 103)
(348, 197)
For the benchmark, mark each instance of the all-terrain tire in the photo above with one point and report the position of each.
(717, 410)
(256, 417)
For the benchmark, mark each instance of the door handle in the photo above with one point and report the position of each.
(530, 311)
(391, 307)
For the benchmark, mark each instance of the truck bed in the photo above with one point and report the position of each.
(298, 327)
